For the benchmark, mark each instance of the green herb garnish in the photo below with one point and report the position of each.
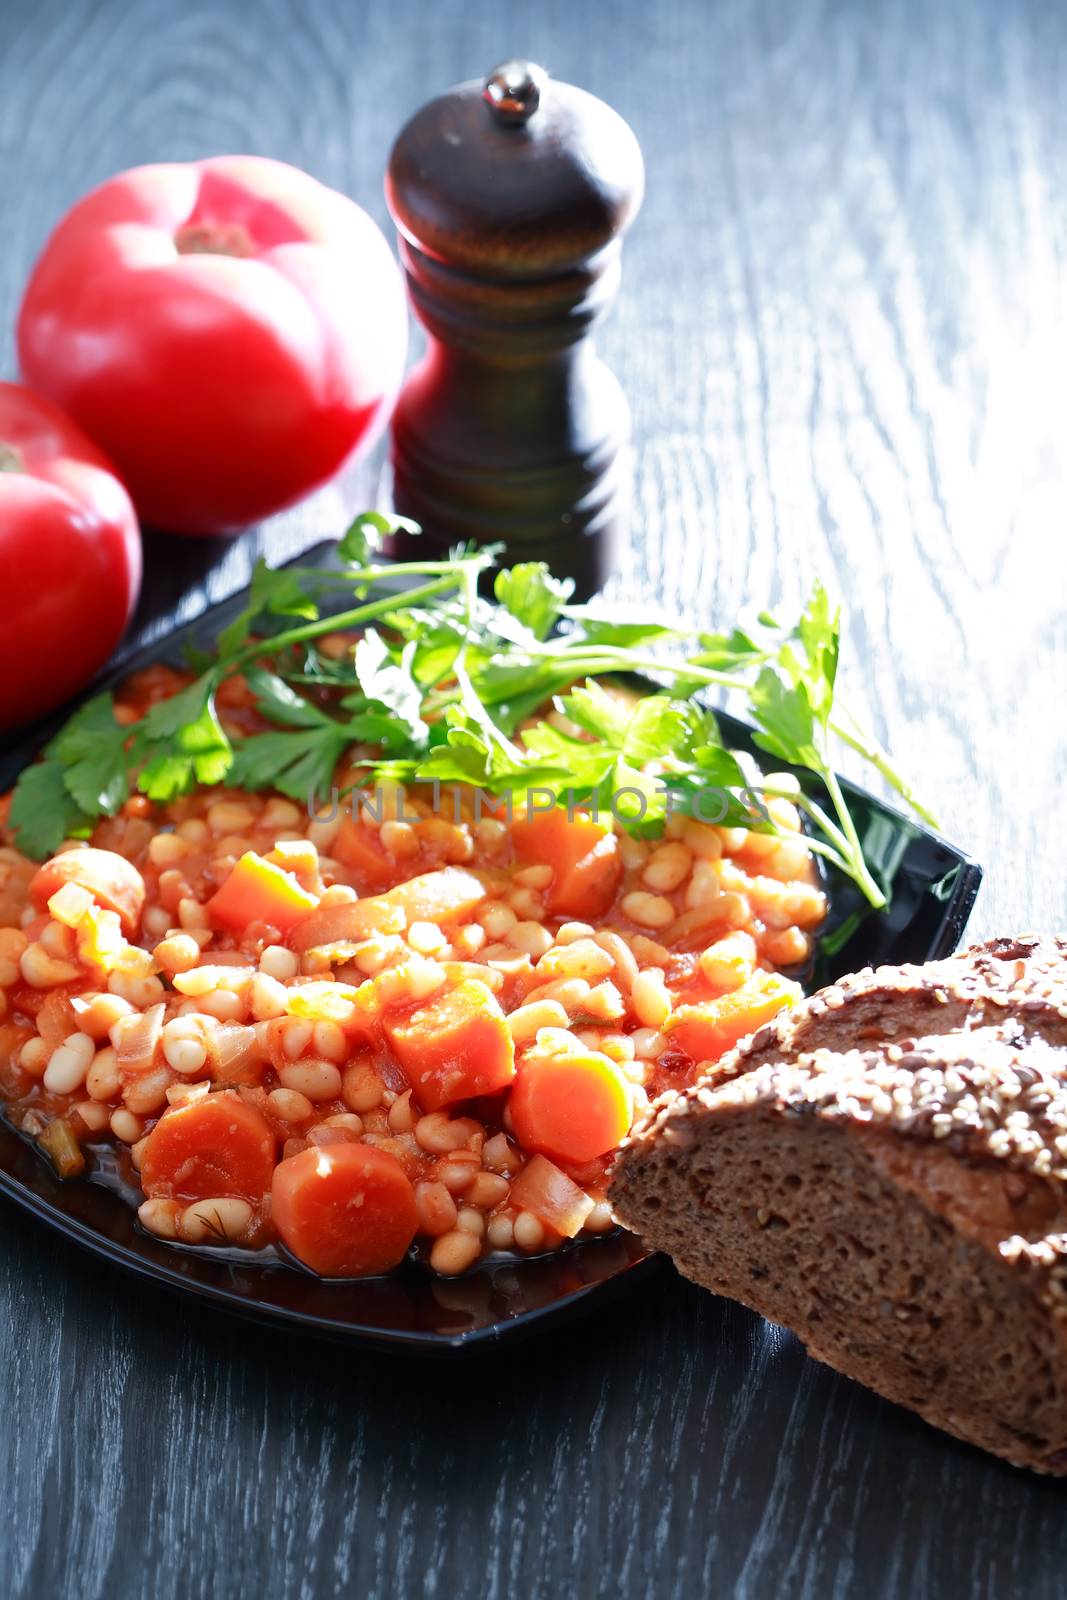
(446, 685)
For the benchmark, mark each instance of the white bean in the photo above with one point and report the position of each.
(278, 962)
(648, 910)
(160, 1217)
(269, 997)
(288, 1105)
(454, 1252)
(318, 1080)
(222, 1220)
(103, 1080)
(650, 998)
(68, 1064)
(185, 1055)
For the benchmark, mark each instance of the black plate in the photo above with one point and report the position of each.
(933, 890)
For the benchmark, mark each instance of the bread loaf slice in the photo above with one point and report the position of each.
(884, 1171)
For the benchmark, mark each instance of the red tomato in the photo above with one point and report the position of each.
(229, 330)
(70, 556)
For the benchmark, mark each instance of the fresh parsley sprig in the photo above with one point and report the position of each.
(443, 684)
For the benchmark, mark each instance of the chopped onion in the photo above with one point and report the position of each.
(235, 1053)
(300, 857)
(323, 1002)
(546, 1191)
(136, 1039)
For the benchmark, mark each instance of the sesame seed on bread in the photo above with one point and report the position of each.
(884, 1170)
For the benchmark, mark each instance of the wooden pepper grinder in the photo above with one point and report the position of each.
(511, 197)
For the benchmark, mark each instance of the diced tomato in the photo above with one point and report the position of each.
(584, 857)
(705, 1032)
(57, 1018)
(359, 847)
(25, 1000)
(208, 1148)
(13, 1035)
(16, 873)
(111, 880)
(546, 1191)
(258, 891)
(345, 1210)
(454, 1047)
(573, 1107)
(431, 897)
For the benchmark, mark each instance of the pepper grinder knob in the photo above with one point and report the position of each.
(513, 90)
(511, 196)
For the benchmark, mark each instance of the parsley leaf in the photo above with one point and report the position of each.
(785, 715)
(596, 711)
(596, 628)
(279, 703)
(661, 726)
(388, 682)
(91, 748)
(166, 717)
(532, 595)
(273, 592)
(43, 812)
(366, 533)
(729, 651)
(299, 764)
(184, 743)
(819, 633)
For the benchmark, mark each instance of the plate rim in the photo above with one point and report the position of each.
(408, 1340)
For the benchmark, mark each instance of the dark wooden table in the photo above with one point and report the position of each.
(842, 330)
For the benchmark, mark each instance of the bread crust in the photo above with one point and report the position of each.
(884, 1170)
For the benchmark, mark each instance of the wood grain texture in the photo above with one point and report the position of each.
(842, 332)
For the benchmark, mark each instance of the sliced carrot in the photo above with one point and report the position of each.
(431, 897)
(455, 1047)
(111, 880)
(546, 1191)
(344, 1210)
(705, 1032)
(259, 891)
(584, 857)
(572, 1107)
(212, 1147)
(359, 847)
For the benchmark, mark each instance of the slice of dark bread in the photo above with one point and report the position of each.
(884, 1171)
